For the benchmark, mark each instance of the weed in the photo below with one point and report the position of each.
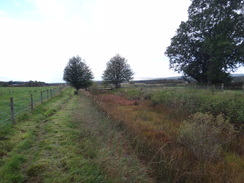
(152, 131)
(107, 145)
(205, 135)
(189, 101)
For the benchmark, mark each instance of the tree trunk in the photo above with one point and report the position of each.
(117, 85)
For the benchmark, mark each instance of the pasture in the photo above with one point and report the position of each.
(22, 100)
(67, 139)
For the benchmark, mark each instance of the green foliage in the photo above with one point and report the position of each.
(94, 89)
(210, 44)
(189, 101)
(117, 71)
(3, 84)
(136, 94)
(204, 135)
(77, 73)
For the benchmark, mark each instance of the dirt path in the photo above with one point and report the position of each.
(69, 140)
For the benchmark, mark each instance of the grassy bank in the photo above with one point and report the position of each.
(67, 140)
(22, 97)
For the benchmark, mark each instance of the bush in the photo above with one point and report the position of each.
(192, 101)
(136, 94)
(94, 89)
(205, 135)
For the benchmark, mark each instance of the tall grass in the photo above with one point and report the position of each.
(107, 144)
(152, 120)
(190, 101)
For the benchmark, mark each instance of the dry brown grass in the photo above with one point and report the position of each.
(153, 131)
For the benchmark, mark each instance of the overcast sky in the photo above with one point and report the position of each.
(37, 37)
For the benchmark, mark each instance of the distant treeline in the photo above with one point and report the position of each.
(160, 81)
(22, 84)
(236, 84)
(239, 78)
(235, 79)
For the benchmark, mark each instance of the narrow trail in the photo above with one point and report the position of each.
(69, 141)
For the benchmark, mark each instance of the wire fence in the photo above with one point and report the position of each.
(222, 87)
(15, 106)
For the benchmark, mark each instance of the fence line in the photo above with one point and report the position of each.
(9, 111)
(221, 87)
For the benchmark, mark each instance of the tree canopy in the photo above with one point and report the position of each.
(77, 73)
(210, 44)
(117, 71)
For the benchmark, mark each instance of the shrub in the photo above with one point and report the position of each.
(204, 135)
(94, 89)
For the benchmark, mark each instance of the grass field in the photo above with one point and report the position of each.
(21, 98)
(67, 139)
(126, 135)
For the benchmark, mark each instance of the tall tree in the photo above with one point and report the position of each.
(210, 44)
(117, 71)
(77, 73)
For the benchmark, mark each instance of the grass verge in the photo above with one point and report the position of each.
(68, 140)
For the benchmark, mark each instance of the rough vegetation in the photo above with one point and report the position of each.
(189, 100)
(205, 135)
(176, 150)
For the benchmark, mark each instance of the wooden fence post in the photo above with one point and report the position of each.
(222, 86)
(32, 103)
(12, 110)
(47, 94)
(51, 93)
(41, 97)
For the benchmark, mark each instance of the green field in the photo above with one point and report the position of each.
(67, 139)
(167, 135)
(22, 99)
